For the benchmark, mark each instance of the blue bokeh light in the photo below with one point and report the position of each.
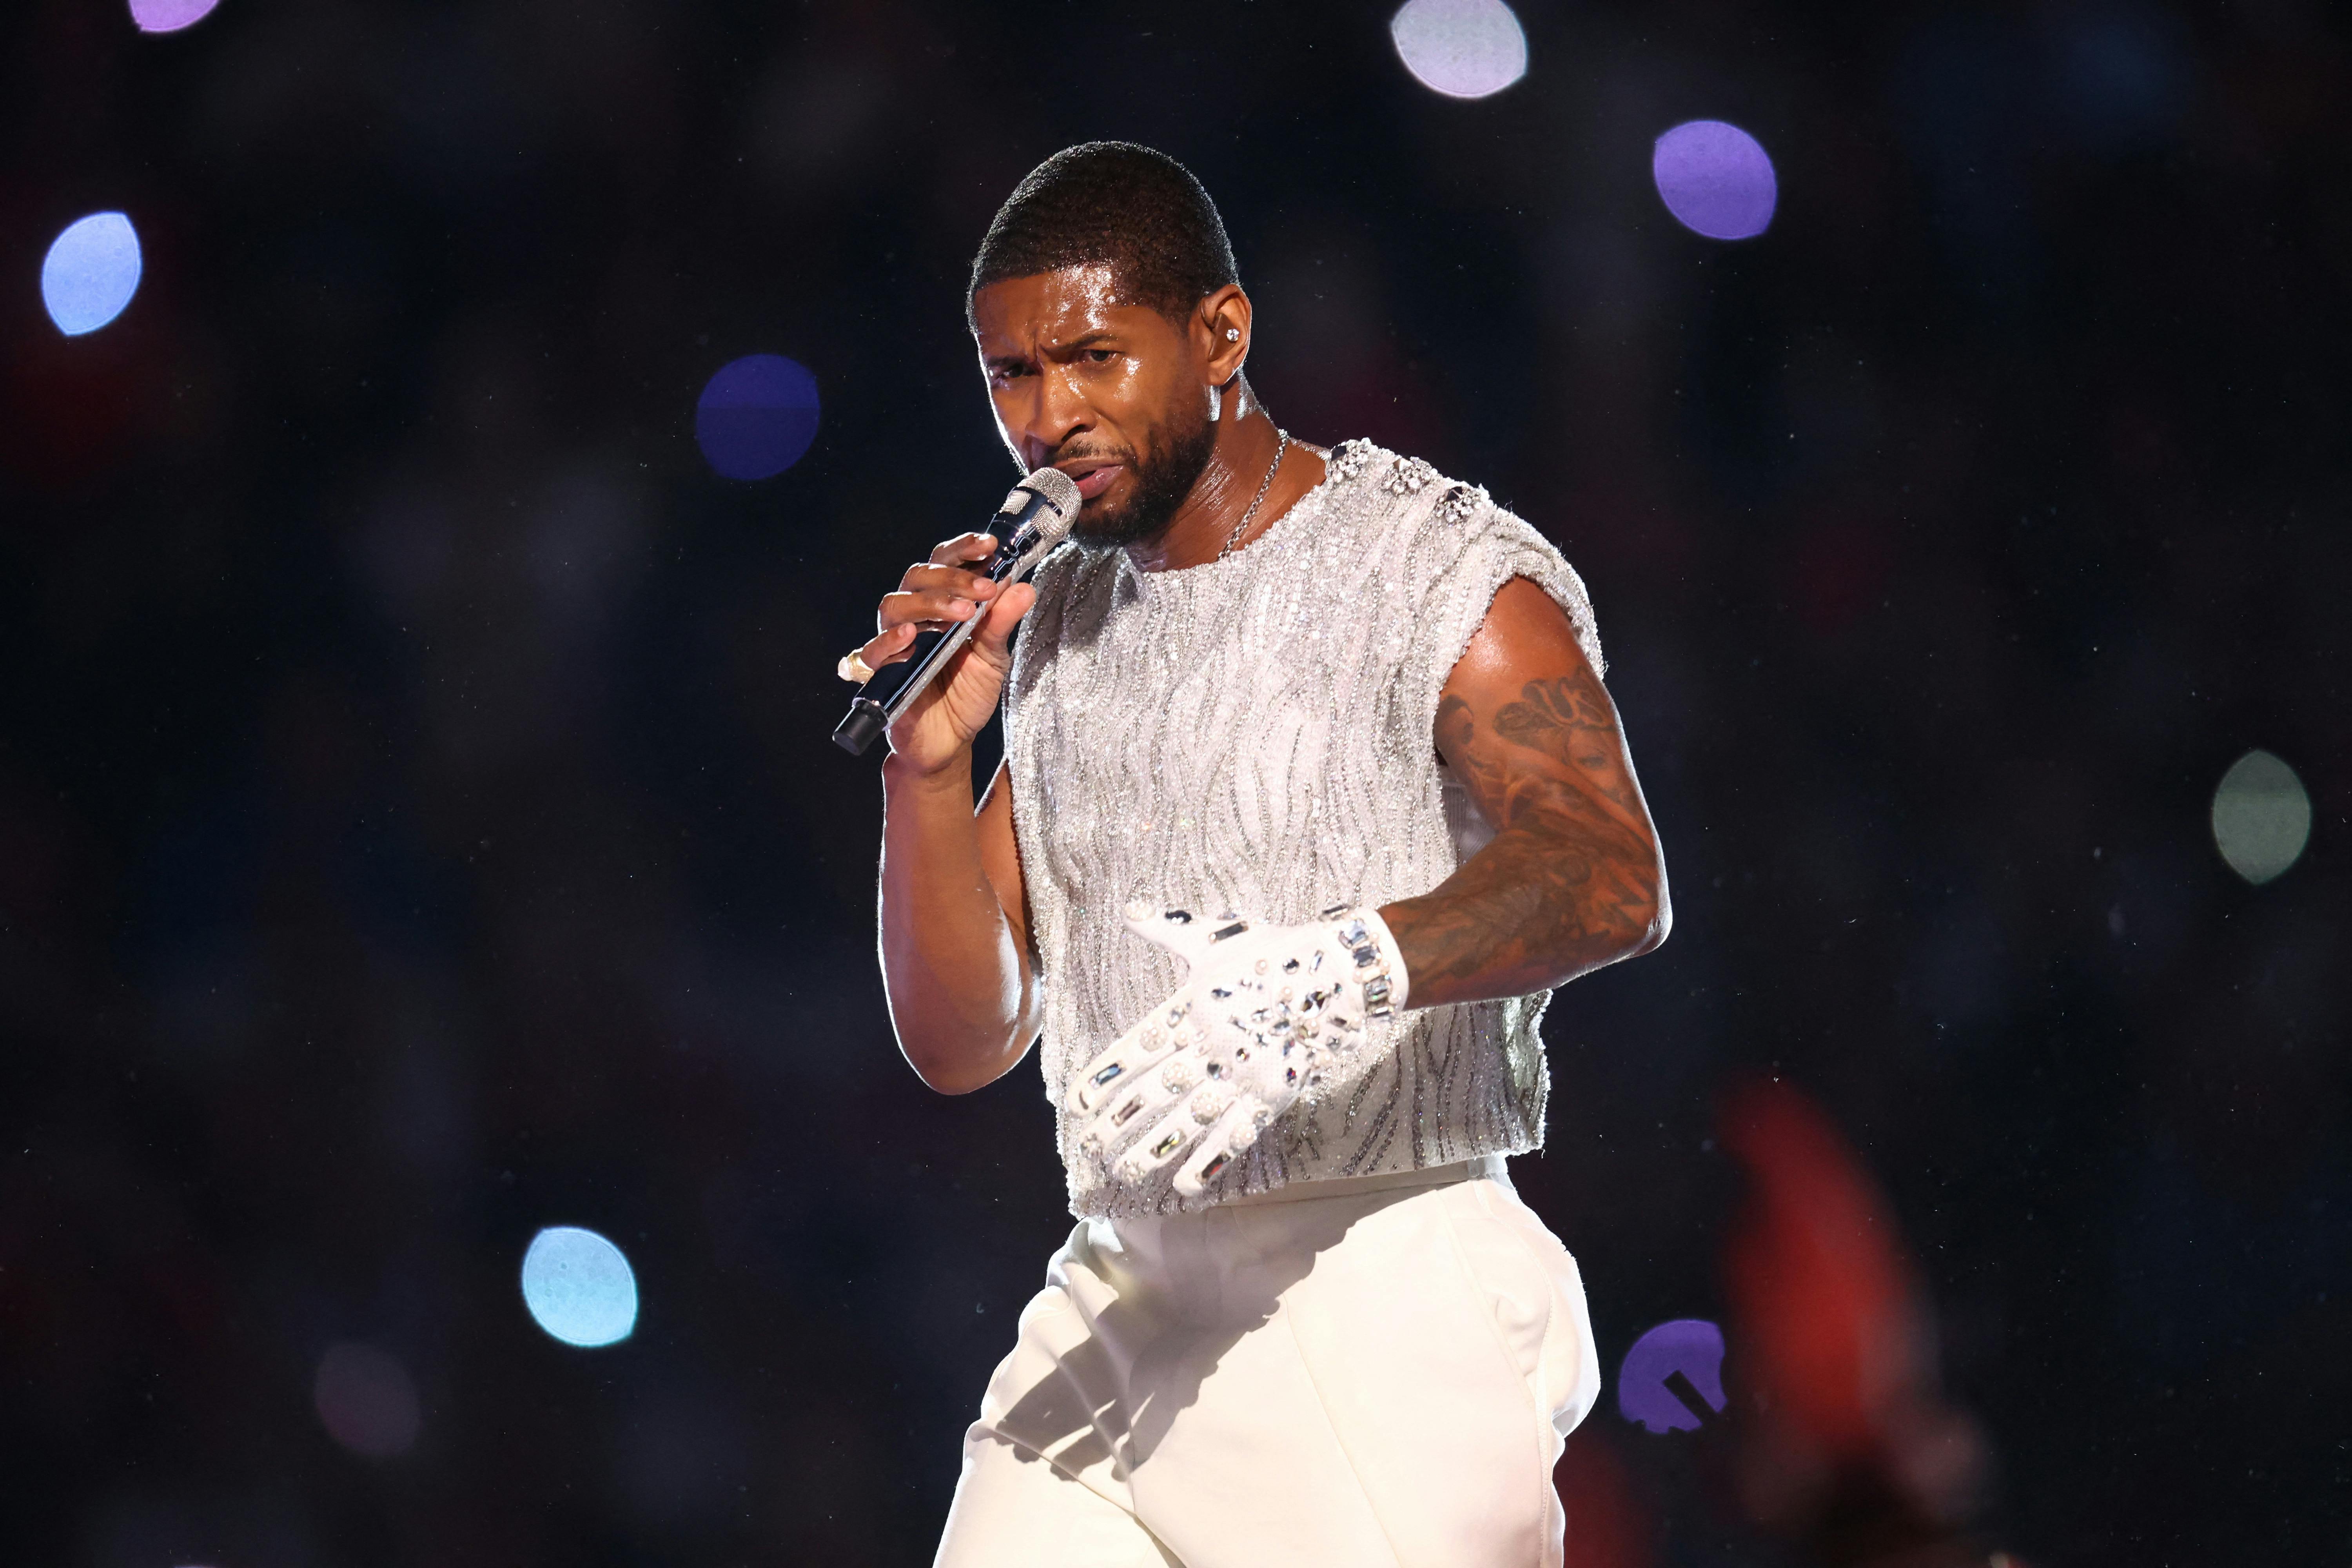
(1716, 179)
(1692, 1346)
(90, 273)
(756, 417)
(578, 1287)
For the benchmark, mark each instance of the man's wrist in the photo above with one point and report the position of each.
(952, 776)
(1393, 918)
(1380, 961)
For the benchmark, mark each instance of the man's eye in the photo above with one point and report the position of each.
(1102, 356)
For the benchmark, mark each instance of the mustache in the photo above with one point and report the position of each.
(1061, 455)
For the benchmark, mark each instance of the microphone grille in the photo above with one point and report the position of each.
(1060, 494)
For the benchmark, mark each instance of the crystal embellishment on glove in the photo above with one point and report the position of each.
(1268, 1012)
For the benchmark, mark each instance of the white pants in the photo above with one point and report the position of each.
(1348, 1373)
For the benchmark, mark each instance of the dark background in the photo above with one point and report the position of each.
(417, 824)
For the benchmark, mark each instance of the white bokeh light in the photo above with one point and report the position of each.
(578, 1287)
(90, 272)
(2261, 816)
(1463, 48)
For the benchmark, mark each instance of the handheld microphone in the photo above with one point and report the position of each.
(1033, 518)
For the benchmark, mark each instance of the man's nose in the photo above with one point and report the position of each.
(1062, 409)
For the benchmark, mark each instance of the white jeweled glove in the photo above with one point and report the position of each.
(1264, 1011)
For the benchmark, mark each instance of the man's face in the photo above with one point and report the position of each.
(1111, 394)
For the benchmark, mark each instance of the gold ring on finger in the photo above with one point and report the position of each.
(854, 668)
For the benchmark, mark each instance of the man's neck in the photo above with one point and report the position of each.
(1221, 497)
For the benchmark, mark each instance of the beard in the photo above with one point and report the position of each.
(1163, 477)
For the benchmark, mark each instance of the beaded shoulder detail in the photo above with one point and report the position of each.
(1347, 460)
(1398, 475)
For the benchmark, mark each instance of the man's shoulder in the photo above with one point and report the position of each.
(1420, 507)
(1448, 546)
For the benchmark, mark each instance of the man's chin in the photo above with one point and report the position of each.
(1141, 505)
(1114, 528)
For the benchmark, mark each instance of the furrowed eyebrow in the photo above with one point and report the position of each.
(1076, 345)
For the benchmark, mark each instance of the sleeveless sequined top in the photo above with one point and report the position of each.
(1257, 734)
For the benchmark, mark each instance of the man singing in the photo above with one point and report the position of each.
(1311, 792)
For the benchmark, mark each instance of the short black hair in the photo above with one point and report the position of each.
(1137, 210)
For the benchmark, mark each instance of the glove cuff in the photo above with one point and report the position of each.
(1378, 968)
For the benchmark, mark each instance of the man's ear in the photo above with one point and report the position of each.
(1220, 329)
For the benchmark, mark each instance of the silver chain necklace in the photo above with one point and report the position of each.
(1235, 538)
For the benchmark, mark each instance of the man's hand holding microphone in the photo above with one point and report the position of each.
(937, 729)
(947, 595)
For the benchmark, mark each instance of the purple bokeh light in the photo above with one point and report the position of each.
(1692, 1346)
(756, 417)
(1716, 179)
(170, 16)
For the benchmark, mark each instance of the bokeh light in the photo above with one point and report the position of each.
(579, 1288)
(756, 417)
(1463, 48)
(2262, 818)
(170, 16)
(1716, 179)
(90, 272)
(366, 1401)
(1692, 1346)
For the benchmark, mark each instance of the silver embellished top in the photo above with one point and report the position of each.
(1257, 734)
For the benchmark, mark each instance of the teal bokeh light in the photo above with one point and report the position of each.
(578, 1287)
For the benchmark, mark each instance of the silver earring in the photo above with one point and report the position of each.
(1233, 334)
(1216, 402)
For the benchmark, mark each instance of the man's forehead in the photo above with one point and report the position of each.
(1048, 307)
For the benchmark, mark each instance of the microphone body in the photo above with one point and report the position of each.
(1033, 518)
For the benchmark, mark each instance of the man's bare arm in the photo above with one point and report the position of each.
(956, 962)
(1572, 880)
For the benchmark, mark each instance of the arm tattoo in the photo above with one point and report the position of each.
(1571, 881)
